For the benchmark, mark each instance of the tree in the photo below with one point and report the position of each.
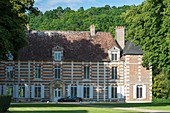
(149, 27)
(12, 25)
(161, 86)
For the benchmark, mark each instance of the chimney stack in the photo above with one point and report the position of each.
(92, 30)
(120, 36)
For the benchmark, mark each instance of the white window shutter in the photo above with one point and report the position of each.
(4, 89)
(26, 91)
(32, 91)
(118, 92)
(134, 91)
(110, 91)
(78, 91)
(91, 91)
(0, 89)
(82, 91)
(122, 92)
(42, 91)
(16, 91)
(69, 90)
(144, 91)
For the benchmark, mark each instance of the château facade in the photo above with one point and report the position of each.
(87, 64)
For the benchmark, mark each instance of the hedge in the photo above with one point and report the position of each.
(5, 101)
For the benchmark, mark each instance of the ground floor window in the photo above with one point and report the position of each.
(86, 92)
(37, 91)
(22, 91)
(73, 91)
(139, 91)
(9, 90)
(114, 92)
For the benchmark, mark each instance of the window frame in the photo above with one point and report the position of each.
(114, 73)
(38, 70)
(57, 70)
(10, 88)
(73, 90)
(23, 94)
(9, 72)
(86, 90)
(57, 55)
(139, 89)
(114, 92)
(114, 56)
(37, 92)
(86, 72)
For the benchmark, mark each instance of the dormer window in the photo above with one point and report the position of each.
(114, 56)
(57, 55)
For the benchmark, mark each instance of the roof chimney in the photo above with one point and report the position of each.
(92, 30)
(120, 36)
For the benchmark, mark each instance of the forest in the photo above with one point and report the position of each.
(104, 18)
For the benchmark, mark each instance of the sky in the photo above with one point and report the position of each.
(46, 5)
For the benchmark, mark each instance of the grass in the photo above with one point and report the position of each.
(60, 108)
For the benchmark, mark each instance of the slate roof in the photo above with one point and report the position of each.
(78, 45)
(131, 49)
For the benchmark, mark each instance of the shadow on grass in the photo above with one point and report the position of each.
(131, 104)
(66, 111)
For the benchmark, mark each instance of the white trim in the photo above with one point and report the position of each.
(32, 91)
(91, 91)
(144, 91)
(110, 92)
(4, 89)
(78, 91)
(134, 91)
(42, 91)
(26, 91)
(69, 90)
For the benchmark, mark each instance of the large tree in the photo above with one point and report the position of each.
(12, 25)
(149, 27)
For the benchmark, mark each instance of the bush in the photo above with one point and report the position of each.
(162, 100)
(5, 101)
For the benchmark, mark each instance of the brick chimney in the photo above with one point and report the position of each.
(92, 30)
(120, 36)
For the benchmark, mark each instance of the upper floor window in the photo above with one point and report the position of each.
(37, 71)
(86, 72)
(57, 56)
(9, 71)
(114, 92)
(114, 57)
(114, 72)
(57, 72)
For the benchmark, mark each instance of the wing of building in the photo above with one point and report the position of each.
(87, 64)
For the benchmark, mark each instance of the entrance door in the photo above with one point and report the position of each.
(57, 94)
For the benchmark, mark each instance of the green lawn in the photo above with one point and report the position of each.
(151, 106)
(61, 108)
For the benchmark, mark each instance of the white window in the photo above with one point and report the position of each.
(57, 56)
(86, 72)
(37, 91)
(114, 56)
(114, 92)
(9, 72)
(114, 72)
(139, 91)
(86, 92)
(22, 91)
(37, 71)
(57, 72)
(9, 90)
(73, 91)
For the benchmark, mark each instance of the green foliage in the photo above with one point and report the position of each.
(160, 100)
(12, 25)
(5, 101)
(161, 86)
(149, 27)
(104, 18)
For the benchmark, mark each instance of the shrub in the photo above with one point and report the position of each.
(5, 101)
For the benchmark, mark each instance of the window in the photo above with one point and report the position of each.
(9, 72)
(37, 91)
(139, 91)
(114, 56)
(74, 91)
(37, 71)
(114, 72)
(114, 92)
(57, 56)
(9, 90)
(86, 92)
(22, 91)
(86, 72)
(57, 72)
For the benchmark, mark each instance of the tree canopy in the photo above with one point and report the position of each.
(13, 19)
(149, 27)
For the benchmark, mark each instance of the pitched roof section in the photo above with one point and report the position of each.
(131, 49)
(79, 46)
